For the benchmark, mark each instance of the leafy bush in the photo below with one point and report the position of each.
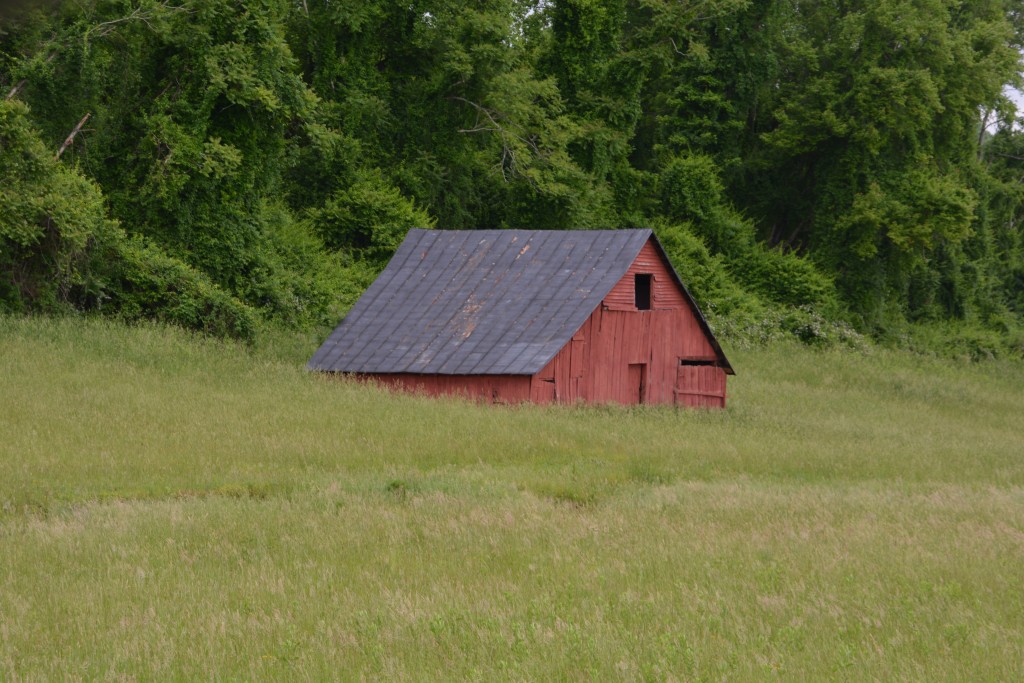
(803, 324)
(964, 341)
(355, 276)
(149, 284)
(59, 251)
(370, 217)
(691, 189)
(295, 280)
(783, 277)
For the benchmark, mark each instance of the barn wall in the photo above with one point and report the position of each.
(666, 294)
(618, 347)
(489, 388)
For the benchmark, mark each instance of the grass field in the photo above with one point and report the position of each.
(180, 509)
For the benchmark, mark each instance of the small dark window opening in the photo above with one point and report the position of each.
(642, 288)
(694, 361)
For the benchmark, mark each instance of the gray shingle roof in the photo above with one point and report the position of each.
(463, 302)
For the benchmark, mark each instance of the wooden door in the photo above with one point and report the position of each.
(637, 383)
(700, 385)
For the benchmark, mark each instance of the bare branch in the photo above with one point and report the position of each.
(15, 90)
(508, 160)
(138, 14)
(71, 136)
(1008, 156)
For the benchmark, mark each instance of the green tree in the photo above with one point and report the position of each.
(873, 126)
(60, 252)
(192, 108)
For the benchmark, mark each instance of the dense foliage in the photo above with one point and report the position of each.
(809, 166)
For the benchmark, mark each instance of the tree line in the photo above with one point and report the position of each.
(225, 164)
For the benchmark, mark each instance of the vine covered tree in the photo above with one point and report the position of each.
(855, 161)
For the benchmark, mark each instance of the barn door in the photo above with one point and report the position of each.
(700, 384)
(637, 383)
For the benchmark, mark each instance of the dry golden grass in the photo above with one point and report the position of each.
(178, 509)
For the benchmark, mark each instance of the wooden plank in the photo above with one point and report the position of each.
(485, 388)
(576, 357)
(584, 384)
(700, 386)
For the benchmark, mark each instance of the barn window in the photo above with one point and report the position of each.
(642, 289)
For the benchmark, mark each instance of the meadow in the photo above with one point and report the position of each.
(176, 508)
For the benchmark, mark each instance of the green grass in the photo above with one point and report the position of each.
(178, 508)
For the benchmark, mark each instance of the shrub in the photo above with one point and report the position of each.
(783, 277)
(692, 194)
(690, 188)
(803, 324)
(370, 217)
(295, 280)
(147, 283)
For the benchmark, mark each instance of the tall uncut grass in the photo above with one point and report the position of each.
(178, 508)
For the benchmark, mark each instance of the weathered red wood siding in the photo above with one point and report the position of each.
(619, 355)
(596, 365)
(490, 388)
(700, 386)
(665, 295)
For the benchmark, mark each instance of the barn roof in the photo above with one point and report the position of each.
(495, 302)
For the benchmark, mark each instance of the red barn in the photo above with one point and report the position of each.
(531, 315)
